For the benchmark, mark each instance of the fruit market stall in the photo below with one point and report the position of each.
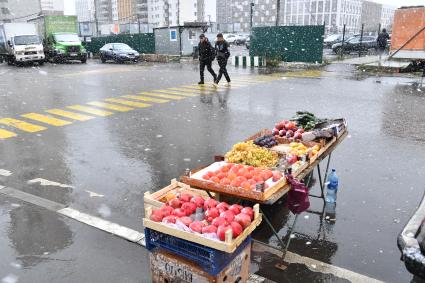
(263, 168)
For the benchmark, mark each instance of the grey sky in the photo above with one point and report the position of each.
(70, 5)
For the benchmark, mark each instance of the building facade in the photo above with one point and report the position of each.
(387, 16)
(103, 11)
(22, 10)
(85, 10)
(371, 16)
(332, 13)
(163, 13)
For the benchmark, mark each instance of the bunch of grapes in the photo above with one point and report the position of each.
(267, 141)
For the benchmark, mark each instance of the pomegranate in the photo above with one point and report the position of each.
(228, 215)
(179, 212)
(199, 201)
(221, 231)
(235, 208)
(167, 210)
(277, 176)
(243, 219)
(169, 219)
(197, 226)
(185, 197)
(211, 214)
(236, 229)
(209, 229)
(186, 220)
(189, 208)
(209, 203)
(222, 206)
(219, 221)
(175, 203)
(157, 215)
(248, 211)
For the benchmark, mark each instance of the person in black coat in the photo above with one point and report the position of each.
(206, 56)
(381, 42)
(223, 54)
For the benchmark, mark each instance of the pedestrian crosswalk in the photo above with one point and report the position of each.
(56, 117)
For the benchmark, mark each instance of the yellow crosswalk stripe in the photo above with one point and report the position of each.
(175, 92)
(196, 86)
(90, 110)
(21, 125)
(71, 115)
(110, 106)
(46, 119)
(128, 102)
(163, 95)
(185, 89)
(202, 89)
(145, 98)
(6, 134)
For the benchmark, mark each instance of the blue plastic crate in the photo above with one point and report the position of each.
(210, 260)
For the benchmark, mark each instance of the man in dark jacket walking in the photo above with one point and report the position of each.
(382, 43)
(223, 54)
(206, 56)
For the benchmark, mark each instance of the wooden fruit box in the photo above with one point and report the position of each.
(195, 180)
(323, 147)
(159, 198)
(229, 245)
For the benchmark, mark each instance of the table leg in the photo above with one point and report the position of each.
(327, 167)
(283, 265)
(272, 228)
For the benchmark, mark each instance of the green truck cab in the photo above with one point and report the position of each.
(60, 37)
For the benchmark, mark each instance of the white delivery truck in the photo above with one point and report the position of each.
(20, 43)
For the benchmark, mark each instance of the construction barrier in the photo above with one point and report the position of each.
(248, 61)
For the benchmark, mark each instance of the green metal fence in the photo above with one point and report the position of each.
(288, 43)
(142, 42)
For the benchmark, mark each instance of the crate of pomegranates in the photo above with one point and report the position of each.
(207, 222)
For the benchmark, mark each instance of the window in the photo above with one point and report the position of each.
(192, 35)
(173, 35)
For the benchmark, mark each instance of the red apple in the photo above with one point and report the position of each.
(243, 219)
(209, 229)
(221, 231)
(248, 211)
(277, 176)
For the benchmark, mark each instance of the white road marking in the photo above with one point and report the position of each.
(44, 182)
(5, 173)
(93, 194)
(104, 225)
(317, 266)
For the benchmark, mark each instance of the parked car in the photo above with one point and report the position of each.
(230, 38)
(331, 40)
(248, 42)
(411, 243)
(355, 44)
(118, 52)
(241, 39)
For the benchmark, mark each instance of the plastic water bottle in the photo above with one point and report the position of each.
(332, 187)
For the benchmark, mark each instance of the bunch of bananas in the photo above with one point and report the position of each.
(250, 154)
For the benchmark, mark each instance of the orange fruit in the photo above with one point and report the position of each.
(224, 169)
(225, 181)
(246, 185)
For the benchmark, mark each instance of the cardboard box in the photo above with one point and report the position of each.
(170, 268)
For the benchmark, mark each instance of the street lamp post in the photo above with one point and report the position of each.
(252, 13)
(277, 12)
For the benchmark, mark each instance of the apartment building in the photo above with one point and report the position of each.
(162, 13)
(387, 16)
(21, 10)
(85, 10)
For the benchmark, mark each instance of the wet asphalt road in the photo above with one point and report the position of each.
(109, 162)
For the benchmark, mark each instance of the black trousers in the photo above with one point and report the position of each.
(222, 62)
(202, 65)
